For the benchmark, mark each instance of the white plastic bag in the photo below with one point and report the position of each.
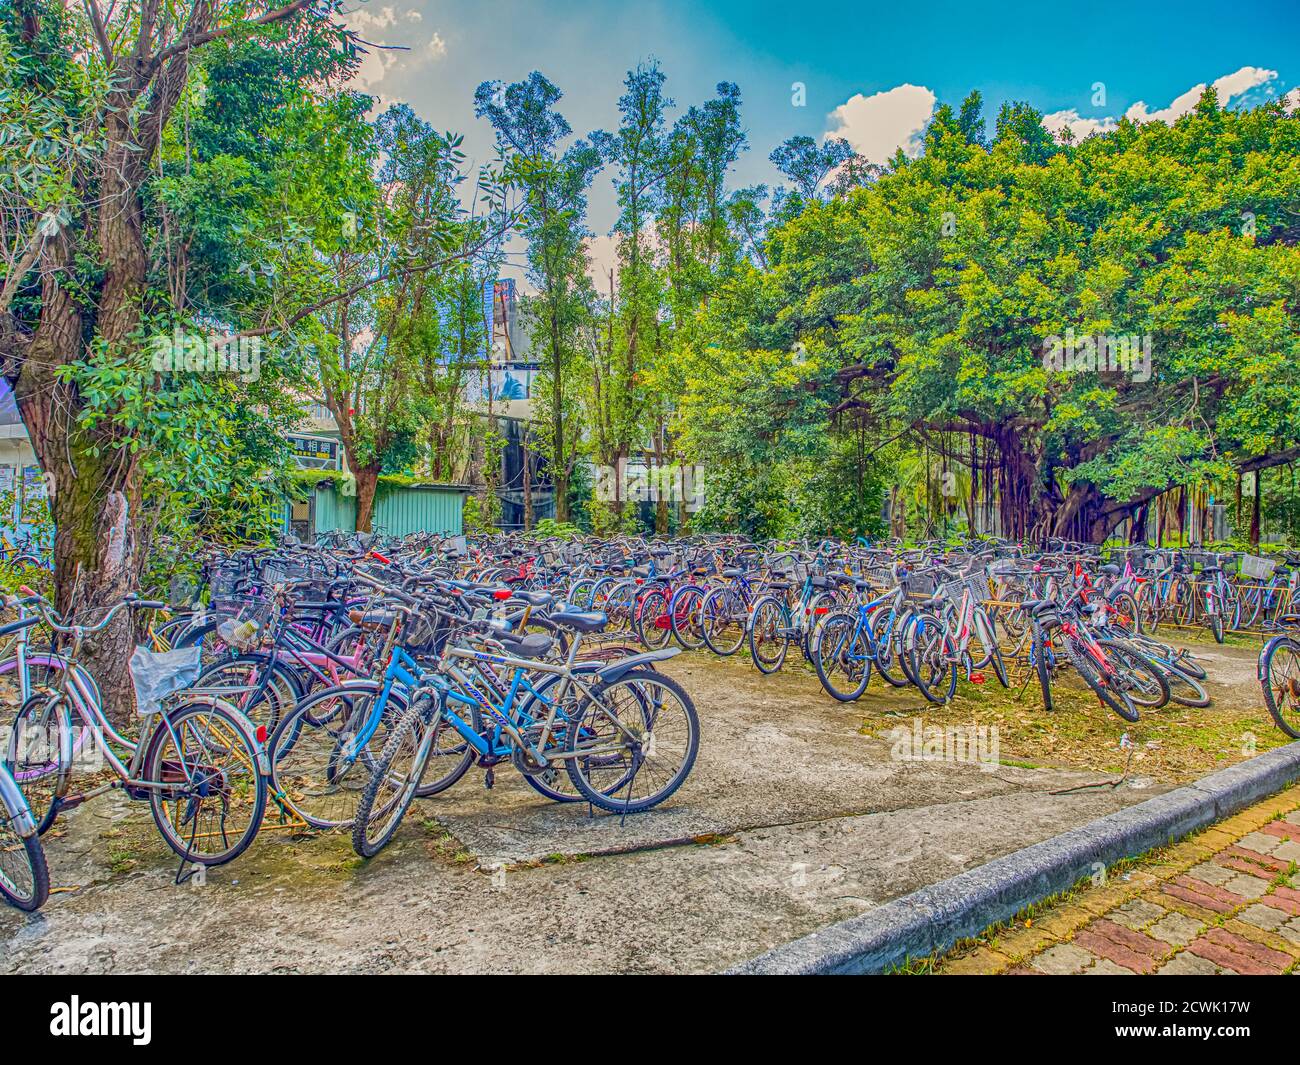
(156, 674)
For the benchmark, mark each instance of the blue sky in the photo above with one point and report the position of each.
(872, 72)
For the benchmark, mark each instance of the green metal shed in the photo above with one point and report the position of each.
(399, 509)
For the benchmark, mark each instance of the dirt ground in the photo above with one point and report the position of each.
(800, 811)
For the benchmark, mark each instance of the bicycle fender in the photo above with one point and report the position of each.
(14, 800)
(1264, 653)
(612, 672)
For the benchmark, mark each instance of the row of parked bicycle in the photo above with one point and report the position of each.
(339, 682)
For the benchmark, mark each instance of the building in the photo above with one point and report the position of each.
(20, 473)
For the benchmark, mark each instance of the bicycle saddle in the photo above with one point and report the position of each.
(581, 620)
(534, 645)
(535, 598)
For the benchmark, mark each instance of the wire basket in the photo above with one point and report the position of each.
(225, 583)
(1257, 568)
(976, 583)
(921, 584)
(287, 571)
(245, 608)
(313, 591)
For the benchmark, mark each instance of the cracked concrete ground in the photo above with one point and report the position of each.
(792, 818)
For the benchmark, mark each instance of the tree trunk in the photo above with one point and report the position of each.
(1254, 513)
(1020, 505)
(561, 481)
(367, 478)
(528, 483)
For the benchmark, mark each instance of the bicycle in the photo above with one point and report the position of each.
(604, 726)
(196, 761)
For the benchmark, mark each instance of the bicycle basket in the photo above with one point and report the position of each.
(225, 583)
(244, 608)
(921, 584)
(181, 592)
(158, 674)
(978, 586)
(1257, 568)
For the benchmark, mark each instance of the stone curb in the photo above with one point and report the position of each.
(935, 917)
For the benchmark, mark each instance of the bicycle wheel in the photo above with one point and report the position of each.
(1040, 651)
(553, 781)
(931, 655)
(684, 617)
(769, 634)
(992, 652)
(315, 769)
(275, 689)
(888, 647)
(1142, 681)
(619, 606)
(579, 595)
(652, 623)
(1279, 673)
(722, 621)
(45, 670)
(842, 657)
(208, 795)
(40, 752)
(1091, 674)
(1129, 617)
(633, 742)
(24, 876)
(1184, 689)
(391, 788)
(1216, 626)
(1148, 609)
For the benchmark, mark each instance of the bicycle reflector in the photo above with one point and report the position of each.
(500, 594)
(261, 734)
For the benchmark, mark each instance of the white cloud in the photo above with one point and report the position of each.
(1227, 87)
(1081, 127)
(381, 26)
(1292, 99)
(878, 125)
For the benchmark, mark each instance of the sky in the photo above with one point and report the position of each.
(869, 72)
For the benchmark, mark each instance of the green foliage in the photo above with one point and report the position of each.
(550, 529)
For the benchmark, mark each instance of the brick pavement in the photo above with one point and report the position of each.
(1223, 902)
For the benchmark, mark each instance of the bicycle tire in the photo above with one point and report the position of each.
(156, 767)
(1090, 674)
(834, 649)
(33, 858)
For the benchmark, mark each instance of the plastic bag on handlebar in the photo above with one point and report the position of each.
(157, 674)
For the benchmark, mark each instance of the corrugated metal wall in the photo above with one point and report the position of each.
(398, 511)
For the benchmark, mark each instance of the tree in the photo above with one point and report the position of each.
(930, 307)
(554, 183)
(806, 164)
(90, 99)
